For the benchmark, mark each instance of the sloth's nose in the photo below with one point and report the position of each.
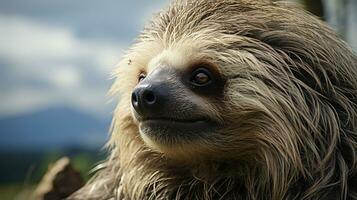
(146, 99)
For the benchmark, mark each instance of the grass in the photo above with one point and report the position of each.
(15, 191)
(20, 172)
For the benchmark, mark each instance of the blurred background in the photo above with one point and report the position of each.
(55, 64)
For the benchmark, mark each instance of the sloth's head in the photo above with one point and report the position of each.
(237, 79)
(181, 104)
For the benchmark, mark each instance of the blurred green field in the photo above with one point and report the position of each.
(16, 191)
(21, 171)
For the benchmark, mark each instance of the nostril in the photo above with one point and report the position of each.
(149, 97)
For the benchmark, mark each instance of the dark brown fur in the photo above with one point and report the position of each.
(290, 99)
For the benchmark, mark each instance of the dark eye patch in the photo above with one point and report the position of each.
(204, 79)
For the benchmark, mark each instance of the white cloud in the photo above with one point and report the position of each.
(64, 77)
(31, 41)
(55, 57)
(25, 99)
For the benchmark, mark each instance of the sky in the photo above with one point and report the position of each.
(62, 52)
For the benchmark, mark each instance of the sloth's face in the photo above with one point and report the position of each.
(177, 102)
(170, 103)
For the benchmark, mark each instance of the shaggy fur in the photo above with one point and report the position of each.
(289, 98)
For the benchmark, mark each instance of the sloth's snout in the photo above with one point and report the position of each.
(147, 99)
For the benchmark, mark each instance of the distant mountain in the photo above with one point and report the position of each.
(53, 128)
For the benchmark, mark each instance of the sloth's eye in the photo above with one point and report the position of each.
(142, 76)
(201, 77)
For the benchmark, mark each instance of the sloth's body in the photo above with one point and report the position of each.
(233, 99)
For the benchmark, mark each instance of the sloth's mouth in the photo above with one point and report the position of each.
(175, 123)
(167, 128)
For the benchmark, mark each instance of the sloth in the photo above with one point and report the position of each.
(232, 99)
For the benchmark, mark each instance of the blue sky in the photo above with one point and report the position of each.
(62, 52)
